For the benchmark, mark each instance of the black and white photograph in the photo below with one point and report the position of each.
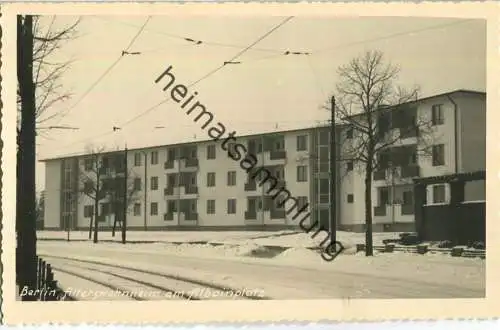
(212, 157)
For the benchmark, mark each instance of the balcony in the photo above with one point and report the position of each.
(410, 171)
(191, 216)
(250, 215)
(380, 211)
(190, 190)
(169, 191)
(407, 209)
(278, 214)
(104, 171)
(281, 184)
(411, 132)
(168, 165)
(379, 175)
(277, 154)
(251, 185)
(191, 162)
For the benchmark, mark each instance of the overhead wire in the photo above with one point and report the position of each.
(390, 36)
(105, 73)
(285, 53)
(210, 73)
(195, 41)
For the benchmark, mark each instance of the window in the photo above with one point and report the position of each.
(211, 206)
(193, 153)
(137, 209)
(324, 138)
(350, 198)
(407, 197)
(88, 211)
(302, 143)
(211, 179)
(137, 184)
(154, 183)
(154, 157)
(137, 159)
(105, 162)
(192, 180)
(88, 164)
(280, 202)
(437, 115)
(301, 202)
(260, 146)
(211, 153)
(105, 209)
(231, 206)
(231, 150)
(88, 186)
(349, 133)
(171, 154)
(193, 206)
(438, 193)
(154, 208)
(438, 155)
(279, 173)
(231, 178)
(279, 145)
(171, 206)
(350, 166)
(383, 196)
(301, 173)
(172, 180)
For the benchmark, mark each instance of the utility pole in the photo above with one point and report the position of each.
(145, 190)
(333, 177)
(97, 195)
(125, 192)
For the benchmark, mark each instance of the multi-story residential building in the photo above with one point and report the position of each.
(200, 186)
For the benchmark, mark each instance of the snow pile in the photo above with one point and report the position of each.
(298, 255)
(306, 240)
(248, 249)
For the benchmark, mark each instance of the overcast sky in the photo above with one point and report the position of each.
(267, 91)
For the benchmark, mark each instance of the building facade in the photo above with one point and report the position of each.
(202, 186)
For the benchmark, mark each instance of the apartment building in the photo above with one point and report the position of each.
(200, 186)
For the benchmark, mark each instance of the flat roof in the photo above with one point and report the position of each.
(75, 155)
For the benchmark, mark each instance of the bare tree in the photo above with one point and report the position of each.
(103, 179)
(116, 196)
(47, 71)
(92, 171)
(378, 115)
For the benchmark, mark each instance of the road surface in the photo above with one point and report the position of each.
(120, 269)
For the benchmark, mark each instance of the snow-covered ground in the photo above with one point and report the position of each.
(285, 238)
(297, 272)
(160, 236)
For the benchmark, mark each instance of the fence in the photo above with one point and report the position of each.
(46, 284)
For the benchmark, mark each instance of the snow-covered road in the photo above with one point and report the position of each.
(300, 275)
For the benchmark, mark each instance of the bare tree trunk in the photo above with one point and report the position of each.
(90, 226)
(96, 206)
(114, 228)
(368, 209)
(26, 192)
